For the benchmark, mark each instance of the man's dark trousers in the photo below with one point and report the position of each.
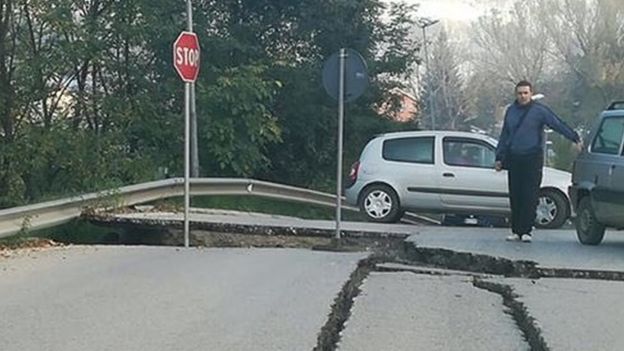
(524, 178)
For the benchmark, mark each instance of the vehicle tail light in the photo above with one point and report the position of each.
(355, 168)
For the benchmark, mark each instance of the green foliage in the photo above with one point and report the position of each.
(89, 99)
(238, 122)
(260, 205)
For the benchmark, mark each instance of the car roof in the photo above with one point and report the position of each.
(451, 133)
(612, 113)
(616, 108)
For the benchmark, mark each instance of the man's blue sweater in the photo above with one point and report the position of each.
(529, 138)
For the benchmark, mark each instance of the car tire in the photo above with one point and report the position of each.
(380, 203)
(588, 230)
(553, 210)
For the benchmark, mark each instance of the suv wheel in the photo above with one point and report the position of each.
(552, 210)
(380, 204)
(588, 230)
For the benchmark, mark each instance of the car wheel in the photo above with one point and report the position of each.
(552, 210)
(588, 230)
(380, 204)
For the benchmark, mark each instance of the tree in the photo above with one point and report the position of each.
(307, 115)
(487, 99)
(587, 38)
(89, 99)
(511, 47)
(445, 86)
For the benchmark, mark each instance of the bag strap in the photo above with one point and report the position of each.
(513, 133)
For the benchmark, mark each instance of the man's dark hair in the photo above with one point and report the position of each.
(524, 83)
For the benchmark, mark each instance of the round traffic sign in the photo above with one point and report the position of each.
(356, 75)
(186, 56)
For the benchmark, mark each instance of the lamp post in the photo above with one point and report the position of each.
(423, 23)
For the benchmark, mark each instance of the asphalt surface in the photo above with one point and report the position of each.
(159, 298)
(408, 311)
(550, 248)
(256, 219)
(165, 298)
(575, 314)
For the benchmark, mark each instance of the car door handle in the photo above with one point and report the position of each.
(448, 175)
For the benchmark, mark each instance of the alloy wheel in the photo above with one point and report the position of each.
(546, 210)
(378, 204)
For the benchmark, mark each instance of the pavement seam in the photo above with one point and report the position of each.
(329, 336)
(433, 271)
(469, 262)
(480, 263)
(571, 273)
(525, 322)
(107, 220)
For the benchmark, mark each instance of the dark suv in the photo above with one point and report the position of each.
(597, 190)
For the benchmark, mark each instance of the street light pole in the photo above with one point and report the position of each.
(423, 23)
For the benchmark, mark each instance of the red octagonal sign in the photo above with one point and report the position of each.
(186, 56)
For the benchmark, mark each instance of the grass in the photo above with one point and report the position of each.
(269, 206)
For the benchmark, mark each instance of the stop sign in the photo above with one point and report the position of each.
(186, 56)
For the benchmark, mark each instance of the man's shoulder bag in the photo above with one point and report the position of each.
(505, 160)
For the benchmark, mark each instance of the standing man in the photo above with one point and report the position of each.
(520, 150)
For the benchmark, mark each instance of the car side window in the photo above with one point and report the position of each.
(609, 137)
(415, 150)
(468, 153)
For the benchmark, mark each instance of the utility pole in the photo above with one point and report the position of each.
(423, 23)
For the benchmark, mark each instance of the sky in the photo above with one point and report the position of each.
(464, 11)
(451, 10)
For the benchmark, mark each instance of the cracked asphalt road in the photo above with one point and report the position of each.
(164, 298)
(575, 314)
(404, 311)
(550, 248)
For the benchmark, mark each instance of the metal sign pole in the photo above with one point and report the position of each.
(187, 132)
(194, 146)
(188, 87)
(341, 91)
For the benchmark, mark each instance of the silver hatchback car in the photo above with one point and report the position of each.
(443, 172)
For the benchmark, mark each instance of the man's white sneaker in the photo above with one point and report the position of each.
(526, 238)
(513, 237)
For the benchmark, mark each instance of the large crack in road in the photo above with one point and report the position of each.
(486, 272)
(341, 309)
(391, 254)
(525, 322)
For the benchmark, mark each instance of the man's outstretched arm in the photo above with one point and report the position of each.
(559, 126)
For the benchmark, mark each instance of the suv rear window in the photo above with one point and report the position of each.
(609, 137)
(416, 149)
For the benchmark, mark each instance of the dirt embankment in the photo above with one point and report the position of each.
(11, 247)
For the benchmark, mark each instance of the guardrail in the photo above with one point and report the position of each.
(52, 213)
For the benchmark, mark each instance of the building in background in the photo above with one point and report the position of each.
(401, 106)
